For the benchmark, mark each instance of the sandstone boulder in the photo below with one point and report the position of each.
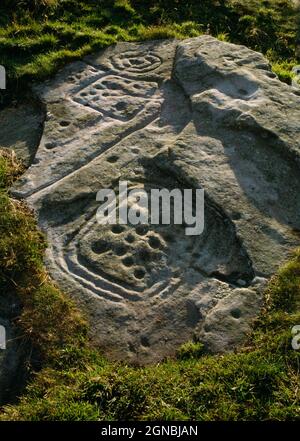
(199, 113)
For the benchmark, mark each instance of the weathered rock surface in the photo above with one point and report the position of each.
(21, 129)
(193, 114)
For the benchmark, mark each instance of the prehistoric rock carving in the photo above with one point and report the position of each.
(193, 114)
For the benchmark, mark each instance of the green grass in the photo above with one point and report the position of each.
(49, 319)
(37, 37)
(76, 382)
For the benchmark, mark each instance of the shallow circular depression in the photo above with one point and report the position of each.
(145, 258)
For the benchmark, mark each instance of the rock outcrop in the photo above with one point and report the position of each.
(193, 114)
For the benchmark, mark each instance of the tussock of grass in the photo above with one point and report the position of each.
(77, 383)
(21, 245)
(284, 289)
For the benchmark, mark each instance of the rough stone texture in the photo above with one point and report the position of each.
(21, 128)
(228, 322)
(193, 114)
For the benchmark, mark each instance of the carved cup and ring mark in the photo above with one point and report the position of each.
(118, 97)
(140, 258)
(139, 261)
(144, 259)
(136, 62)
